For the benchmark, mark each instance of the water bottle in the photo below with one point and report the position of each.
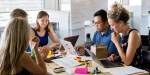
(149, 39)
(88, 43)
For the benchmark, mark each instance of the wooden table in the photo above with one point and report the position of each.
(51, 66)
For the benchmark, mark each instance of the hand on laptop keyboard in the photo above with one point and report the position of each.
(108, 64)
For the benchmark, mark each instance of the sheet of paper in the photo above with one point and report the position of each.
(125, 70)
(66, 62)
(85, 58)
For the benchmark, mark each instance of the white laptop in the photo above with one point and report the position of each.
(68, 47)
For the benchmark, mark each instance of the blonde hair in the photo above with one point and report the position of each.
(118, 13)
(13, 43)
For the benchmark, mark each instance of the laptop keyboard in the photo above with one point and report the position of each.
(109, 64)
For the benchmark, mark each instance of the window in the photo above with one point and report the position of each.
(65, 5)
(6, 6)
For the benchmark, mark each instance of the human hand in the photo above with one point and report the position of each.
(80, 50)
(54, 45)
(43, 52)
(34, 43)
(115, 37)
(112, 57)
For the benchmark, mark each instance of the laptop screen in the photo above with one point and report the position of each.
(72, 39)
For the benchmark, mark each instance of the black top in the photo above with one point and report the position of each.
(137, 60)
(24, 72)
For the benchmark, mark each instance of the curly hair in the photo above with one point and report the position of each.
(118, 13)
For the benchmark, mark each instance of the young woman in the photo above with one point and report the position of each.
(14, 42)
(44, 30)
(130, 49)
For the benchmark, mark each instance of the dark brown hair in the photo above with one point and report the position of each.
(118, 13)
(18, 13)
(40, 15)
(102, 13)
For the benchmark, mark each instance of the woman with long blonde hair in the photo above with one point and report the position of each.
(14, 42)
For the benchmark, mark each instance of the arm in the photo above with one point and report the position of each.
(31, 34)
(113, 53)
(30, 65)
(35, 68)
(112, 48)
(53, 37)
(133, 44)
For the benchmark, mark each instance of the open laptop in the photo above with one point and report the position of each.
(72, 39)
(105, 62)
(68, 47)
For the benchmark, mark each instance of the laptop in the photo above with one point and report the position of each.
(68, 47)
(72, 39)
(105, 62)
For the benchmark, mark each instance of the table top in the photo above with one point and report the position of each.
(105, 71)
(51, 66)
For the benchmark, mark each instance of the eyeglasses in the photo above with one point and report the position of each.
(95, 23)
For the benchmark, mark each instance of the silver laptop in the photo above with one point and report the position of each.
(68, 47)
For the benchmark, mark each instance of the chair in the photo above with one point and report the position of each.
(145, 42)
(146, 60)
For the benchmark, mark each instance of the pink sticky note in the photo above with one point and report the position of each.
(81, 70)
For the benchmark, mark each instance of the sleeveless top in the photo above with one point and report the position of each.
(23, 72)
(43, 39)
(137, 60)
